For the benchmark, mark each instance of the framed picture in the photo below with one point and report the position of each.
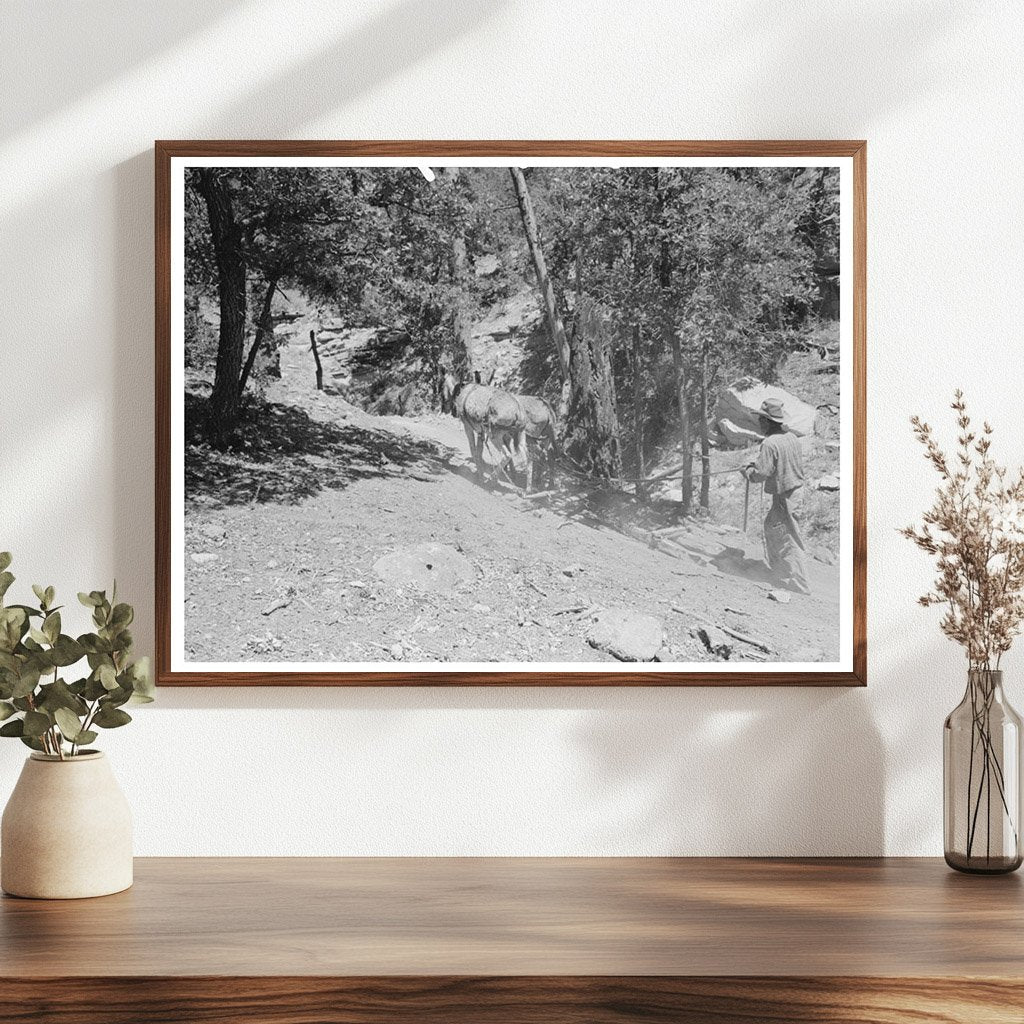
(492, 413)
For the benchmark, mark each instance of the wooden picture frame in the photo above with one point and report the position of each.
(847, 154)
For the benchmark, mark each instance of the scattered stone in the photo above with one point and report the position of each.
(572, 570)
(202, 558)
(438, 568)
(824, 555)
(627, 635)
(782, 596)
(213, 532)
(397, 652)
(481, 608)
(828, 483)
(356, 584)
(272, 564)
(802, 654)
(277, 604)
(716, 642)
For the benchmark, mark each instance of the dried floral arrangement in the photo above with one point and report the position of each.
(975, 529)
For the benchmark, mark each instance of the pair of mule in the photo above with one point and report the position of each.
(507, 422)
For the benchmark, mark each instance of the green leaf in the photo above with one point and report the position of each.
(31, 741)
(69, 724)
(40, 593)
(27, 681)
(86, 736)
(13, 624)
(66, 651)
(6, 579)
(36, 723)
(38, 635)
(51, 626)
(109, 717)
(107, 676)
(50, 595)
(89, 600)
(5, 559)
(94, 644)
(115, 698)
(94, 689)
(6, 710)
(59, 695)
(122, 616)
(32, 613)
(13, 728)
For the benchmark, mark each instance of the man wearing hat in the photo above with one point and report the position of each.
(780, 465)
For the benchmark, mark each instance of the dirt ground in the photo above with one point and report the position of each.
(283, 534)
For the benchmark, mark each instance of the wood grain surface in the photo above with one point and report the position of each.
(519, 1000)
(165, 150)
(871, 941)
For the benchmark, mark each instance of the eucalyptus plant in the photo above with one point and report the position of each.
(37, 704)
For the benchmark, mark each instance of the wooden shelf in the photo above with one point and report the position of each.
(508, 940)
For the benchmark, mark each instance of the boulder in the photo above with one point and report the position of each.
(437, 568)
(737, 413)
(626, 634)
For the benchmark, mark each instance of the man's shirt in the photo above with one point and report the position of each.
(780, 464)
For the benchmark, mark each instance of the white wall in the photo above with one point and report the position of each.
(936, 88)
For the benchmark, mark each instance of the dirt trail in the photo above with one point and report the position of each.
(281, 547)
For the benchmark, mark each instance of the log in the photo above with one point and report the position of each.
(316, 356)
(734, 633)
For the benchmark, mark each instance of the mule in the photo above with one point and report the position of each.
(541, 427)
(489, 415)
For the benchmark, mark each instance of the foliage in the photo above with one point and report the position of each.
(57, 717)
(975, 530)
(696, 276)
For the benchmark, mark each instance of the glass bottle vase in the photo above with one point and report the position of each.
(981, 769)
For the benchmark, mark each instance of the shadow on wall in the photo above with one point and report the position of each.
(743, 771)
(692, 771)
(114, 33)
(407, 32)
(807, 51)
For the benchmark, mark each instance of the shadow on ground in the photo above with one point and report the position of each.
(280, 454)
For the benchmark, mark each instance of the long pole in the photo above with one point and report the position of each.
(746, 507)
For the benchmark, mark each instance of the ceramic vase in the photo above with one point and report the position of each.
(66, 831)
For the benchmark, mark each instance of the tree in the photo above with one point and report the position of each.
(268, 226)
(552, 317)
(592, 431)
(217, 185)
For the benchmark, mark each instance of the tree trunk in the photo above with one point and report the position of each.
(679, 373)
(705, 443)
(262, 329)
(670, 334)
(226, 235)
(638, 419)
(316, 359)
(556, 328)
(592, 433)
(462, 323)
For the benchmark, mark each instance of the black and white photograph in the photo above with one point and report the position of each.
(480, 415)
